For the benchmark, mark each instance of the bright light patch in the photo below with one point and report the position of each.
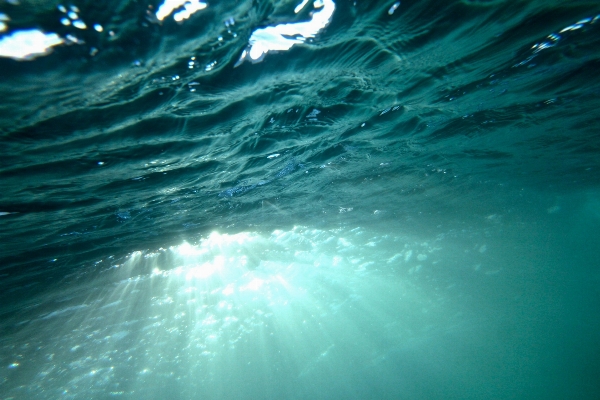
(300, 6)
(228, 291)
(189, 8)
(255, 284)
(283, 37)
(205, 270)
(29, 44)
(186, 249)
(3, 22)
(235, 303)
(79, 24)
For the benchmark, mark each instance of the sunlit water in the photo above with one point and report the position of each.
(299, 200)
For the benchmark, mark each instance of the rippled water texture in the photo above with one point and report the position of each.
(299, 200)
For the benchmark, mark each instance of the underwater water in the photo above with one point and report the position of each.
(299, 200)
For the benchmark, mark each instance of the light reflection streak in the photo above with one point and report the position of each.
(553, 39)
(189, 7)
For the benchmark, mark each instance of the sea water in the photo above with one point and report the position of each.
(299, 200)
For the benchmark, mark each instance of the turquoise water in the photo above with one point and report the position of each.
(279, 200)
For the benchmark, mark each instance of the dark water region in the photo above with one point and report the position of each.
(289, 200)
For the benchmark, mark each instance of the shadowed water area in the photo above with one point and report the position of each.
(299, 200)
